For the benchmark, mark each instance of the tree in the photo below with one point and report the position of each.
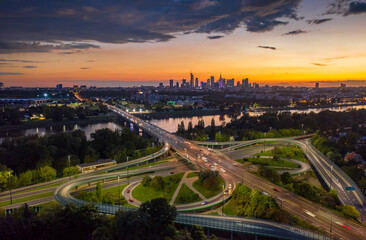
(69, 171)
(99, 191)
(197, 233)
(350, 211)
(25, 178)
(159, 217)
(157, 183)
(286, 178)
(145, 181)
(46, 174)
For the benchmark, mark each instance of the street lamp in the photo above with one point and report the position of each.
(11, 197)
(223, 199)
(68, 159)
(264, 141)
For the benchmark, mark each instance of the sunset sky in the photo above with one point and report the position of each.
(45, 42)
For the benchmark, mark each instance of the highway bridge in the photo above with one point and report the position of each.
(325, 219)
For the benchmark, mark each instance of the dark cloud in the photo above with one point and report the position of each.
(319, 64)
(268, 47)
(357, 8)
(346, 7)
(29, 66)
(84, 68)
(295, 32)
(11, 73)
(17, 60)
(34, 25)
(18, 47)
(215, 37)
(318, 21)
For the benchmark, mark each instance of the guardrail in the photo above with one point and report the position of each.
(233, 224)
(352, 183)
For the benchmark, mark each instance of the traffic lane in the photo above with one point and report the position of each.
(31, 203)
(300, 204)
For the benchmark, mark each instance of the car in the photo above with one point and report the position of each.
(185, 149)
(128, 191)
(235, 164)
(279, 199)
(201, 149)
(230, 186)
(215, 164)
(265, 193)
(211, 166)
(204, 203)
(226, 192)
(131, 200)
(171, 173)
(222, 170)
(276, 189)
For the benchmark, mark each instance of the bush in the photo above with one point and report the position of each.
(350, 211)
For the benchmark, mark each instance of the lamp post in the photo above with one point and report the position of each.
(223, 199)
(264, 142)
(11, 197)
(68, 159)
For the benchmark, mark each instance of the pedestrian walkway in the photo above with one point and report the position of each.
(188, 182)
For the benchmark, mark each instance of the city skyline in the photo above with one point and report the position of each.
(287, 42)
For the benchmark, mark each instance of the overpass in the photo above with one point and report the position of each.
(249, 226)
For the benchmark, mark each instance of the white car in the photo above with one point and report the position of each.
(222, 170)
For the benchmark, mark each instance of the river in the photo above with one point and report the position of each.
(170, 125)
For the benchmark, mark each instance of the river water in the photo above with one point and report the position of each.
(170, 125)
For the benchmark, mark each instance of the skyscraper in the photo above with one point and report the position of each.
(192, 79)
(212, 81)
(1, 85)
(244, 82)
(171, 83)
(184, 82)
(196, 82)
(317, 85)
(59, 86)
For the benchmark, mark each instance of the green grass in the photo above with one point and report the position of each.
(146, 193)
(271, 162)
(214, 213)
(231, 208)
(292, 152)
(207, 192)
(40, 188)
(192, 174)
(26, 199)
(186, 195)
(147, 165)
(105, 190)
(143, 165)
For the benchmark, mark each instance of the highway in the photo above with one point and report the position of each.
(296, 205)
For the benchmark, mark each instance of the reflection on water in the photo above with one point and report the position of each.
(171, 124)
(87, 128)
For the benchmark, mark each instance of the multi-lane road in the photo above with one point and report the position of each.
(319, 216)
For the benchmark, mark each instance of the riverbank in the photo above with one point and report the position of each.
(304, 108)
(49, 123)
(181, 114)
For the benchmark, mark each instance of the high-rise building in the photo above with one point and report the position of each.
(317, 85)
(238, 84)
(196, 82)
(192, 79)
(75, 87)
(171, 83)
(59, 86)
(177, 84)
(208, 83)
(161, 85)
(184, 82)
(203, 85)
(244, 82)
(1, 85)
(230, 83)
(212, 81)
(343, 85)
